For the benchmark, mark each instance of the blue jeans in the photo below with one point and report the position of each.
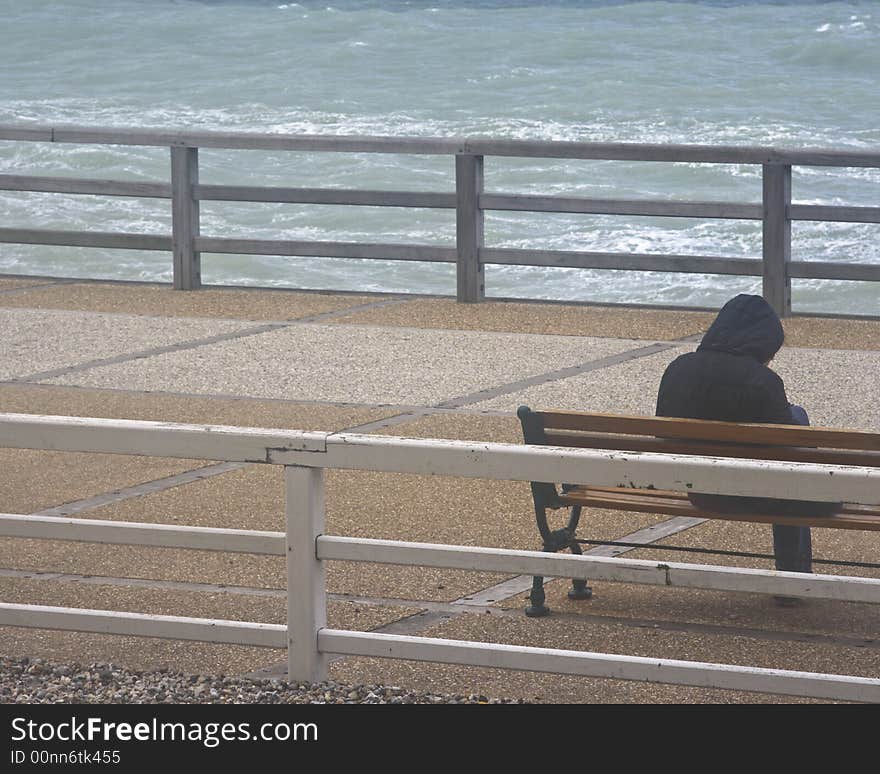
(792, 546)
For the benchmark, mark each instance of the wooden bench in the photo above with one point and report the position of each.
(681, 436)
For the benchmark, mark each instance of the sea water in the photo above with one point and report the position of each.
(733, 72)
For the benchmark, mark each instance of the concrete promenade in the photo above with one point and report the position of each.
(406, 366)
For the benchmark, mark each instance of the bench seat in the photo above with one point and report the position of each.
(852, 516)
(588, 430)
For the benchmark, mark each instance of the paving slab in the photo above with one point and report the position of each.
(838, 388)
(832, 333)
(547, 319)
(854, 546)
(360, 505)
(170, 407)
(38, 340)
(612, 322)
(849, 623)
(164, 301)
(34, 480)
(358, 364)
(149, 653)
(39, 479)
(639, 638)
(162, 564)
(625, 388)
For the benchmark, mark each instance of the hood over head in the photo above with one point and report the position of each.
(746, 325)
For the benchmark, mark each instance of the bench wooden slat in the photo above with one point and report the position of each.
(579, 440)
(853, 516)
(669, 494)
(709, 430)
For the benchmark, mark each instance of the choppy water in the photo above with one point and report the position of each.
(790, 74)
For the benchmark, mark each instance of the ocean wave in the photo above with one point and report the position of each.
(789, 75)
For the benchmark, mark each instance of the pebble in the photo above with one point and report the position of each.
(37, 681)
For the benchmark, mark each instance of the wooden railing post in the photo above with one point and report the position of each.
(777, 237)
(470, 280)
(185, 218)
(306, 589)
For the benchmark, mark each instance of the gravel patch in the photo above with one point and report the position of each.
(37, 681)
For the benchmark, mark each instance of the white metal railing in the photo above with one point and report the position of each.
(776, 211)
(305, 455)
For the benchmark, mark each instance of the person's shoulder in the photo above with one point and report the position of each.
(770, 376)
(687, 357)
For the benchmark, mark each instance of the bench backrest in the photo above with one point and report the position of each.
(795, 443)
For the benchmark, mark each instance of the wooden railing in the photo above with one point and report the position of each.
(776, 210)
(307, 548)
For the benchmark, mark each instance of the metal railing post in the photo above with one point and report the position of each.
(470, 280)
(306, 588)
(777, 237)
(185, 218)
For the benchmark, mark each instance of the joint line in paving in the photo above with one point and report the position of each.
(148, 487)
(143, 583)
(321, 316)
(522, 583)
(152, 352)
(510, 387)
(428, 611)
(194, 343)
(552, 376)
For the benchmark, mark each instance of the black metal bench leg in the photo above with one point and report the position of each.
(579, 587)
(537, 608)
(554, 541)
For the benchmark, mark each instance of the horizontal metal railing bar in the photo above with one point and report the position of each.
(143, 534)
(478, 559)
(169, 627)
(722, 154)
(571, 204)
(367, 198)
(570, 259)
(643, 470)
(439, 457)
(158, 439)
(615, 569)
(822, 212)
(387, 251)
(118, 240)
(602, 665)
(74, 185)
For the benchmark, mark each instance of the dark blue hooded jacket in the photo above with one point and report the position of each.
(726, 378)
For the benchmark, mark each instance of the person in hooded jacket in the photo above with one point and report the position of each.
(728, 379)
